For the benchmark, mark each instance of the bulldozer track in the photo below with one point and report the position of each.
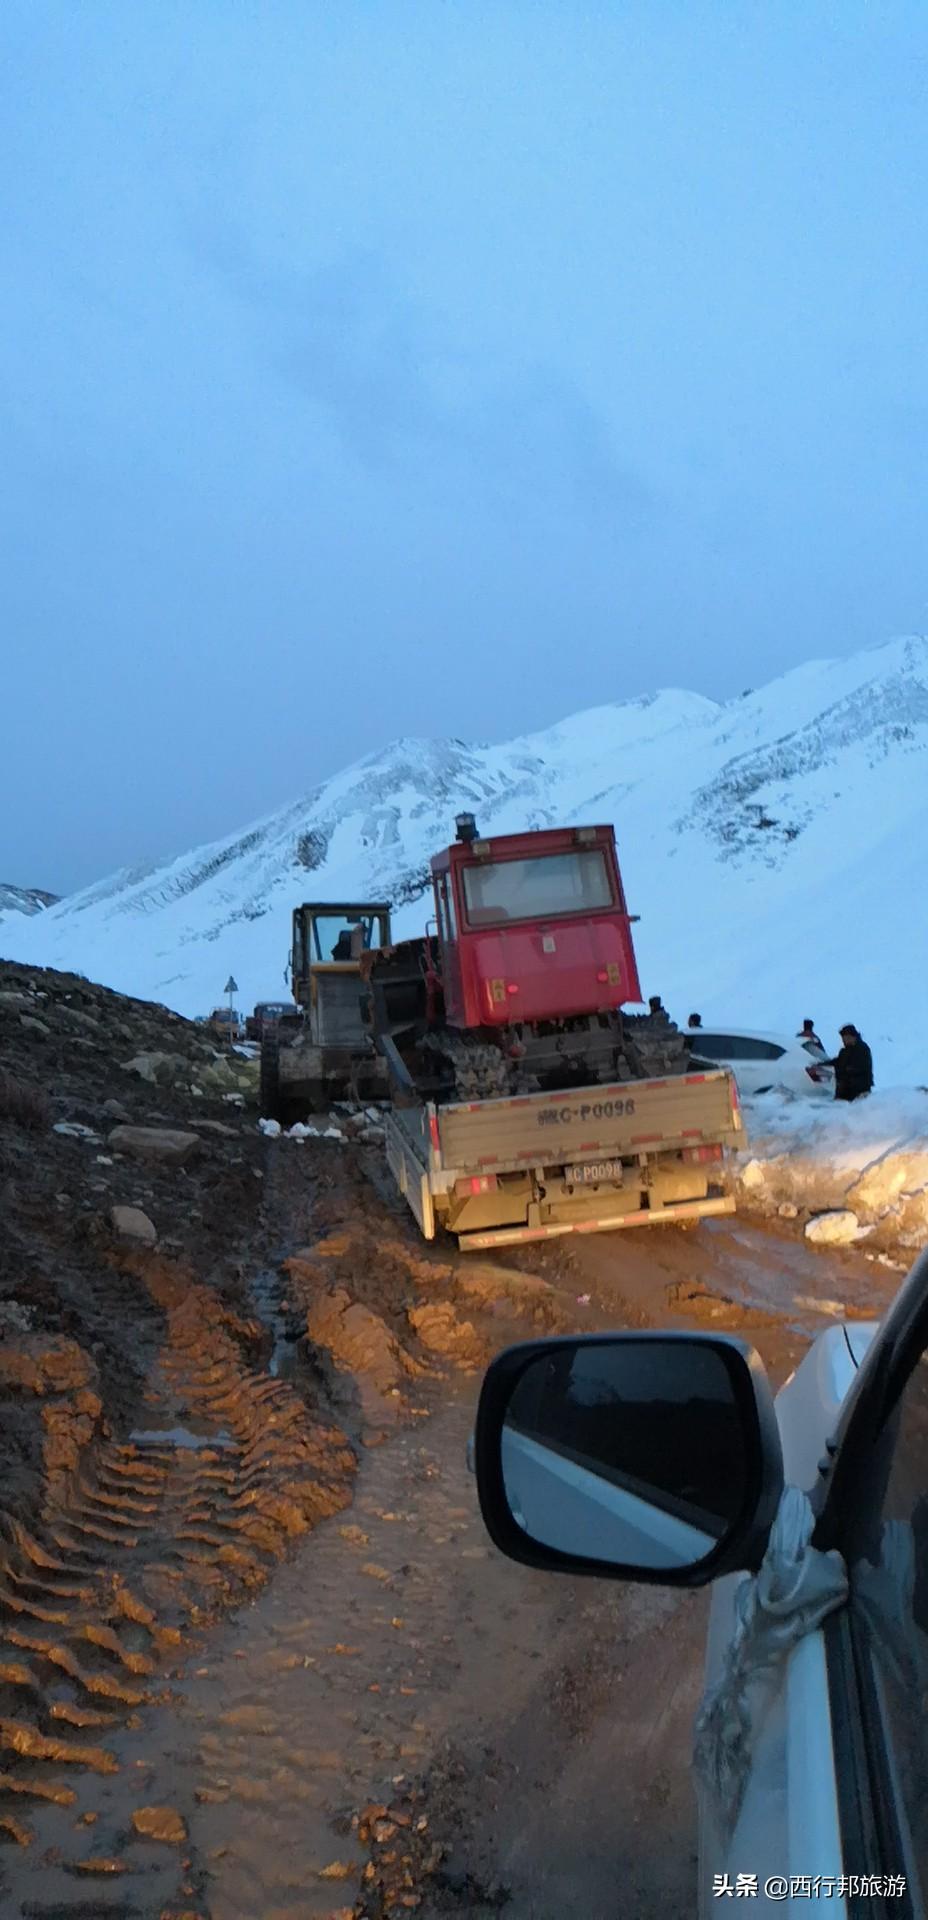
(645, 1049)
(481, 1071)
(100, 1595)
(656, 1047)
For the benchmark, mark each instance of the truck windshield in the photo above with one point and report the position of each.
(533, 889)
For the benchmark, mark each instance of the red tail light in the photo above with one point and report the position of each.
(476, 1183)
(698, 1155)
(818, 1074)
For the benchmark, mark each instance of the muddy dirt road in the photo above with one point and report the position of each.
(257, 1658)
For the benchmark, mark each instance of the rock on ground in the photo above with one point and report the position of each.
(833, 1229)
(132, 1224)
(160, 1069)
(168, 1145)
(160, 1823)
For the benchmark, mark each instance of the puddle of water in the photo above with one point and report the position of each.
(181, 1437)
(804, 1285)
(266, 1295)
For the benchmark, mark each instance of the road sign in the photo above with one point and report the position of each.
(231, 987)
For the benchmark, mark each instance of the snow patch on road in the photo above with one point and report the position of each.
(823, 1163)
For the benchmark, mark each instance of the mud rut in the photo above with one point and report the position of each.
(98, 1599)
(112, 1591)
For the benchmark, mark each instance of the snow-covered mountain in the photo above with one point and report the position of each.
(773, 846)
(28, 900)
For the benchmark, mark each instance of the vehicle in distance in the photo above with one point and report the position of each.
(764, 1062)
(663, 1458)
(224, 1021)
(267, 1010)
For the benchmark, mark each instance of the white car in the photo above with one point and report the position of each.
(764, 1062)
(663, 1458)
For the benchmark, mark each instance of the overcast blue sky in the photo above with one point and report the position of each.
(385, 367)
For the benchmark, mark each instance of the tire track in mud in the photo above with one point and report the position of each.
(99, 1596)
(347, 1678)
(140, 1540)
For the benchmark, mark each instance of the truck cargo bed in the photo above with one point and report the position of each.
(594, 1158)
(629, 1117)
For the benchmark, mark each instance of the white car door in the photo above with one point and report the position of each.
(836, 1762)
(731, 1050)
(788, 1826)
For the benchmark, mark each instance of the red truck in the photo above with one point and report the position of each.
(520, 994)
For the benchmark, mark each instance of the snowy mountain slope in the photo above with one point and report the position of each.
(28, 900)
(772, 845)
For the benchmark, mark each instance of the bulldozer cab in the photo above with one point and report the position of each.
(328, 942)
(532, 926)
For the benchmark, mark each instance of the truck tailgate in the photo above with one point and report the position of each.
(635, 1116)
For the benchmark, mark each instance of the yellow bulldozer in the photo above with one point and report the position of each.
(324, 1051)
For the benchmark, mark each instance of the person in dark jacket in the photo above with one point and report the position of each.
(853, 1066)
(695, 1020)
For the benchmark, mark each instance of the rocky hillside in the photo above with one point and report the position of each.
(771, 845)
(28, 900)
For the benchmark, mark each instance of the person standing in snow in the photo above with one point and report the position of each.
(695, 1020)
(657, 1009)
(853, 1066)
(808, 1032)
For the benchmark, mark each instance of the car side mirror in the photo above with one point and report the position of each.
(635, 1456)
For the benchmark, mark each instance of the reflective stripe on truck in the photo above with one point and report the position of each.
(648, 1216)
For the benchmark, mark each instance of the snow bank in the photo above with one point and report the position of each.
(869, 1158)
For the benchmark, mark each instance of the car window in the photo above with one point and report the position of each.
(715, 1046)
(735, 1046)
(887, 1559)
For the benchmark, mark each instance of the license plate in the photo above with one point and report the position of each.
(595, 1172)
